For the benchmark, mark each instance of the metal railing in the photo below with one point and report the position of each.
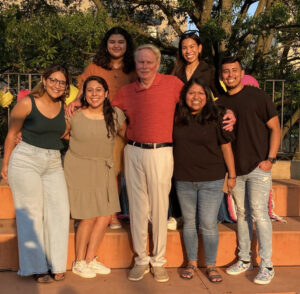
(280, 90)
(283, 93)
(18, 81)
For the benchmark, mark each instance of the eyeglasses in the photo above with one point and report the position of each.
(54, 81)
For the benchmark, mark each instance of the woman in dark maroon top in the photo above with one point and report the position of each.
(202, 154)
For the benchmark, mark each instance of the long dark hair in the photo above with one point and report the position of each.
(39, 89)
(103, 58)
(180, 62)
(108, 111)
(211, 112)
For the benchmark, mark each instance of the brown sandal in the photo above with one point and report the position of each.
(42, 278)
(186, 274)
(212, 278)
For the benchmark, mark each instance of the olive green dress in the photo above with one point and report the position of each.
(88, 167)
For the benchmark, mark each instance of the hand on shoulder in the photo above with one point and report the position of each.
(72, 107)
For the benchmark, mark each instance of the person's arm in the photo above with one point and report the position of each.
(229, 160)
(66, 134)
(274, 126)
(17, 118)
(229, 120)
(122, 130)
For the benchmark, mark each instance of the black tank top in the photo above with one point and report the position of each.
(43, 132)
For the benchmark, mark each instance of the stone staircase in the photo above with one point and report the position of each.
(116, 249)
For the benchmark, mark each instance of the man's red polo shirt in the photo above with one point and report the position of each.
(150, 111)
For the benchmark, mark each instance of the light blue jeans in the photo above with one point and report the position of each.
(37, 181)
(251, 195)
(200, 203)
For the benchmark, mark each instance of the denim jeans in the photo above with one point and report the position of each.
(37, 181)
(251, 195)
(200, 203)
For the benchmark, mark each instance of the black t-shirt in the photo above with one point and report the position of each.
(197, 153)
(253, 108)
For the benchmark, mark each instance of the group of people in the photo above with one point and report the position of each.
(165, 126)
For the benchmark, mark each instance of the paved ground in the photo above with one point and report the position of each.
(286, 280)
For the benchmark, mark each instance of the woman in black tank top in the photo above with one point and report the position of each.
(34, 172)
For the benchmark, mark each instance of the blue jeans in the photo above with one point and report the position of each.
(38, 185)
(251, 195)
(200, 203)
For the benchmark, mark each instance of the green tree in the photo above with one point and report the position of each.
(35, 33)
(268, 40)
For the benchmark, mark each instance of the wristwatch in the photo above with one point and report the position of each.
(272, 159)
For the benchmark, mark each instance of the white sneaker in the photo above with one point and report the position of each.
(98, 267)
(239, 267)
(264, 276)
(81, 268)
(172, 224)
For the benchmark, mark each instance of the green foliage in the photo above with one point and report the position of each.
(36, 42)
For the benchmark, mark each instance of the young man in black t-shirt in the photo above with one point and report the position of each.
(257, 141)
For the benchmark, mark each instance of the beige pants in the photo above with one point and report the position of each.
(148, 175)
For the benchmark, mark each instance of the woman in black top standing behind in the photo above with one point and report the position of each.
(34, 171)
(202, 151)
(189, 63)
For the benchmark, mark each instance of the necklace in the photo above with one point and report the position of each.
(116, 69)
(115, 73)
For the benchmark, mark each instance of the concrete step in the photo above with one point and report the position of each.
(7, 204)
(286, 169)
(286, 195)
(116, 249)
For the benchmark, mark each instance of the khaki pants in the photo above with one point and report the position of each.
(148, 175)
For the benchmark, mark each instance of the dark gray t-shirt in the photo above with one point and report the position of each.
(253, 109)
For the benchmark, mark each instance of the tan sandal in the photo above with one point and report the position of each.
(58, 277)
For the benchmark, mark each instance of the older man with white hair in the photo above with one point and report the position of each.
(149, 104)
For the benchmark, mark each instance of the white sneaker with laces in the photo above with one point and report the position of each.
(98, 267)
(81, 268)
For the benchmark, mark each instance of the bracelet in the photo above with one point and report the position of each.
(231, 178)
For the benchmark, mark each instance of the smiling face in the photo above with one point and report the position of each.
(116, 46)
(195, 98)
(95, 94)
(232, 75)
(190, 50)
(147, 64)
(55, 84)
